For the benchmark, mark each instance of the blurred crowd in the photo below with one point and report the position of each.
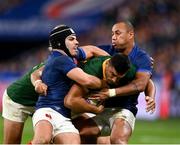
(156, 24)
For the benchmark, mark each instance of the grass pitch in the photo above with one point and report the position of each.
(146, 132)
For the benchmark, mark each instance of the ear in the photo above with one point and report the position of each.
(131, 35)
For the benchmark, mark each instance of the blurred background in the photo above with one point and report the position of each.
(25, 26)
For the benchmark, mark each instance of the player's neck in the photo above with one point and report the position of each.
(129, 48)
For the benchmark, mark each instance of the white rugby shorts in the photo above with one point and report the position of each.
(14, 111)
(105, 119)
(60, 123)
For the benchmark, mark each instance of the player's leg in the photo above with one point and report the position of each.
(103, 140)
(121, 132)
(64, 131)
(122, 127)
(12, 132)
(87, 127)
(42, 132)
(67, 138)
(14, 115)
(43, 126)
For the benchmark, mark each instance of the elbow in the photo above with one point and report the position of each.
(139, 87)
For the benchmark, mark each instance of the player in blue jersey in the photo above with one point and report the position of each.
(52, 120)
(124, 97)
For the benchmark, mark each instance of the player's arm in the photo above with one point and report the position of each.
(74, 100)
(136, 86)
(40, 87)
(150, 92)
(85, 79)
(92, 50)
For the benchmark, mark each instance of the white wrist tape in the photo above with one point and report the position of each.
(37, 81)
(112, 92)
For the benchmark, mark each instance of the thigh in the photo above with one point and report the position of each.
(60, 125)
(67, 138)
(103, 140)
(121, 129)
(9, 136)
(42, 132)
(14, 111)
(87, 127)
(122, 124)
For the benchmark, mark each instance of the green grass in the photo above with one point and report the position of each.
(146, 132)
(156, 132)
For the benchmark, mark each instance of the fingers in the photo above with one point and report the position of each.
(100, 108)
(41, 88)
(94, 97)
(150, 104)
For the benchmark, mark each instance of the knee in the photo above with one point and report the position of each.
(120, 139)
(41, 140)
(103, 140)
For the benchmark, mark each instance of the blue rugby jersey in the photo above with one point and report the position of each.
(142, 61)
(54, 75)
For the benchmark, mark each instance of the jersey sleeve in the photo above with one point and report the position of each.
(81, 54)
(64, 64)
(144, 64)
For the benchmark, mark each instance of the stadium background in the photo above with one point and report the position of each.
(24, 29)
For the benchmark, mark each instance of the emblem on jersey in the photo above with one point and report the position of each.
(48, 116)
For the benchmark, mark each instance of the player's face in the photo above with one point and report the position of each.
(120, 36)
(72, 44)
(112, 77)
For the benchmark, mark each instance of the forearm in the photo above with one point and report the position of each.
(134, 87)
(84, 79)
(35, 77)
(94, 83)
(127, 90)
(150, 89)
(92, 50)
(80, 105)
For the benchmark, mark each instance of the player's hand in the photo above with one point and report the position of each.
(41, 88)
(101, 95)
(150, 104)
(100, 109)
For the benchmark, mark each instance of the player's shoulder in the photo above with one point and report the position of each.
(140, 52)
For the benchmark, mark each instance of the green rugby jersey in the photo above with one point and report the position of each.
(95, 67)
(22, 91)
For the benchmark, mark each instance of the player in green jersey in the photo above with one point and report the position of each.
(101, 67)
(108, 68)
(18, 103)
